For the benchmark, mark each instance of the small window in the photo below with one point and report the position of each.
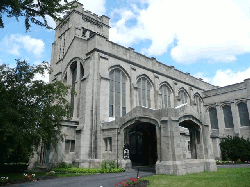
(70, 145)
(108, 144)
(188, 145)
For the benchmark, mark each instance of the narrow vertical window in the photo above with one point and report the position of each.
(74, 78)
(117, 93)
(111, 93)
(143, 93)
(228, 117)
(123, 95)
(244, 115)
(110, 144)
(139, 91)
(213, 118)
(148, 95)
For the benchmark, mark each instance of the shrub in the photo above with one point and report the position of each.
(238, 161)
(234, 148)
(64, 165)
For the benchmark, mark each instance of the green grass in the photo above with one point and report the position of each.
(71, 174)
(16, 176)
(223, 177)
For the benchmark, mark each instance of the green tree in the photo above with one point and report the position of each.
(31, 111)
(34, 11)
(234, 148)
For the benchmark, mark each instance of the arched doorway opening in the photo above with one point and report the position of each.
(142, 141)
(194, 136)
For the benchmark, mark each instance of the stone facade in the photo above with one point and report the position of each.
(123, 97)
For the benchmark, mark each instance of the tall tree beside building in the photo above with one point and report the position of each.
(31, 111)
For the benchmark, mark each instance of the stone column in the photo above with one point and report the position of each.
(220, 116)
(236, 118)
(171, 151)
(132, 87)
(156, 91)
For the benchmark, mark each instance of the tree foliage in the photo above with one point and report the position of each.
(34, 11)
(31, 111)
(234, 148)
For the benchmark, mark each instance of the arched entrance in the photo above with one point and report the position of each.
(194, 133)
(142, 141)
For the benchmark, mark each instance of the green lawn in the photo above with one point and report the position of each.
(223, 177)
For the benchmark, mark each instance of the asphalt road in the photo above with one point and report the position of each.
(104, 180)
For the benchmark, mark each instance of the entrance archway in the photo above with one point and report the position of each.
(142, 141)
(194, 133)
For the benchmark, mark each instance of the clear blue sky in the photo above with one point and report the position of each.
(208, 39)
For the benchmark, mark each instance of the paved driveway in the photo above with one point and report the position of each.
(234, 166)
(104, 180)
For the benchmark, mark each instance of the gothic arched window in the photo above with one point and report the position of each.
(183, 96)
(144, 87)
(244, 115)
(166, 93)
(117, 93)
(228, 117)
(198, 102)
(213, 118)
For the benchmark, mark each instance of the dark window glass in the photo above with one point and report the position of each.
(67, 145)
(123, 111)
(244, 115)
(72, 147)
(110, 144)
(111, 111)
(213, 118)
(228, 118)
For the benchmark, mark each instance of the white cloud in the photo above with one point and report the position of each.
(217, 29)
(44, 77)
(226, 77)
(97, 6)
(15, 42)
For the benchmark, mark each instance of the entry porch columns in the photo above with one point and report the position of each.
(171, 153)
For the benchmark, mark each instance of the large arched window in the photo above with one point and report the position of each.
(144, 87)
(117, 99)
(228, 117)
(166, 93)
(213, 118)
(183, 96)
(244, 115)
(198, 102)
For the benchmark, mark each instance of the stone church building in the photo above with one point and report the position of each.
(135, 110)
